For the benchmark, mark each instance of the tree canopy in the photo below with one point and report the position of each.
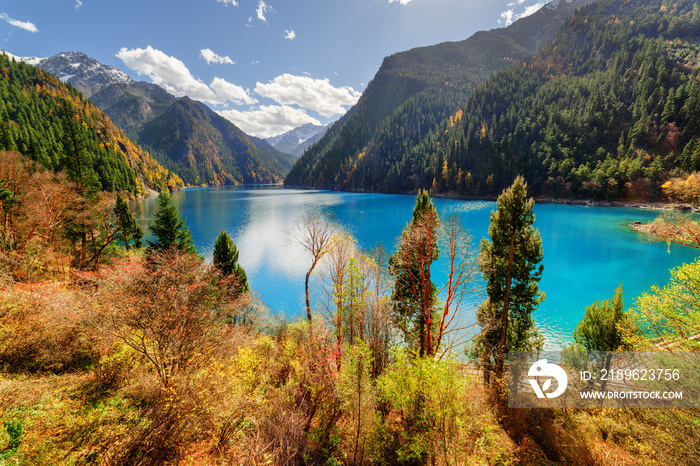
(169, 228)
(601, 326)
(226, 261)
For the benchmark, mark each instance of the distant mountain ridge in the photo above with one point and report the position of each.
(83, 72)
(414, 91)
(207, 148)
(189, 138)
(130, 105)
(297, 140)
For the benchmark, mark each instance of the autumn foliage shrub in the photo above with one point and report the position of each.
(301, 416)
(426, 402)
(43, 327)
(169, 308)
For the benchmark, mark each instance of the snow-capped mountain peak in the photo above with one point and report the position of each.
(297, 140)
(83, 72)
(555, 3)
(34, 61)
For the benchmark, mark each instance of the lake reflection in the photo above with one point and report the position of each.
(588, 251)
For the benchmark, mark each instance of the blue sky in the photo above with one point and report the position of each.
(267, 65)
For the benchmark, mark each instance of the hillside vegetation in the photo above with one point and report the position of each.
(414, 91)
(156, 357)
(608, 110)
(48, 120)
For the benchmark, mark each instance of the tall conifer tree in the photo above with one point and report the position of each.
(510, 262)
(169, 228)
(415, 294)
(130, 230)
(76, 159)
(226, 260)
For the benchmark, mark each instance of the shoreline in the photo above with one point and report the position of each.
(644, 205)
(663, 206)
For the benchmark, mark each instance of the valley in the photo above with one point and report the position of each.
(347, 233)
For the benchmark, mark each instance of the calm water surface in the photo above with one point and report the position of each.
(588, 251)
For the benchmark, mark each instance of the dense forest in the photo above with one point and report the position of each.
(53, 124)
(608, 110)
(414, 91)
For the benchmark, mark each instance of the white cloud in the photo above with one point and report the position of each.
(261, 10)
(289, 34)
(508, 17)
(78, 4)
(228, 2)
(165, 71)
(173, 76)
(26, 25)
(225, 91)
(269, 120)
(403, 2)
(313, 94)
(531, 10)
(211, 57)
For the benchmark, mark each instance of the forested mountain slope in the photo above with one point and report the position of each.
(206, 149)
(189, 138)
(53, 124)
(414, 90)
(610, 109)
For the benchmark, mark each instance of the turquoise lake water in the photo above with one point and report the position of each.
(588, 251)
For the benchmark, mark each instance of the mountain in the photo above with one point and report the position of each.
(414, 91)
(82, 72)
(208, 147)
(53, 124)
(609, 110)
(297, 140)
(130, 105)
(189, 138)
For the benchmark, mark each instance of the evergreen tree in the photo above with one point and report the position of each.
(510, 263)
(76, 160)
(415, 294)
(601, 326)
(130, 230)
(5, 194)
(169, 228)
(226, 260)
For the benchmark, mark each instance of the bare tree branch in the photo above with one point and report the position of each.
(316, 236)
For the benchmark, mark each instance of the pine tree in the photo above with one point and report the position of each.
(130, 230)
(76, 160)
(600, 329)
(415, 294)
(510, 263)
(169, 228)
(226, 260)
